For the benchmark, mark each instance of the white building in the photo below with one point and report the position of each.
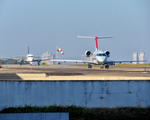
(138, 57)
(141, 56)
(135, 57)
(48, 55)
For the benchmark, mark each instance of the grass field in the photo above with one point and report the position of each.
(120, 65)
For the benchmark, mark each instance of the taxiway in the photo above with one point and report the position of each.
(72, 72)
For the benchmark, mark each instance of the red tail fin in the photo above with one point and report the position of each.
(146, 58)
(96, 44)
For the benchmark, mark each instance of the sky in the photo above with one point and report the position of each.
(44, 24)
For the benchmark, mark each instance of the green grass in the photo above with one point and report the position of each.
(132, 65)
(81, 113)
(118, 65)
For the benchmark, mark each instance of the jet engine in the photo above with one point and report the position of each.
(108, 53)
(88, 53)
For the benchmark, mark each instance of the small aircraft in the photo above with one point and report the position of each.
(29, 58)
(99, 57)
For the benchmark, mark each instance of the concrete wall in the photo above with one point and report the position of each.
(109, 94)
(35, 116)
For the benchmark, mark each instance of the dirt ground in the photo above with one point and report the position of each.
(75, 70)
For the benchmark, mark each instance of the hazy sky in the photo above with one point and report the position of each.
(45, 24)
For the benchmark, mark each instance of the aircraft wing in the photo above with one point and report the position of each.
(121, 61)
(37, 56)
(20, 56)
(26, 56)
(11, 58)
(76, 61)
(43, 59)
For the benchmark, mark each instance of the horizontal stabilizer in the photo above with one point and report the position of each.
(86, 37)
(96, 37)
(100, 37)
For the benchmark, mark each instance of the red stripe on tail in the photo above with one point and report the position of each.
(96, 43)
(146, 58)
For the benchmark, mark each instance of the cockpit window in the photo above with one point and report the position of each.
(101, 54)
(30, 56)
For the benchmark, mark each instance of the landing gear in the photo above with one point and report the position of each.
(20, 63)
(30, 63)
(102, 67)
(106, 66)
(89, 66)
(38, 62)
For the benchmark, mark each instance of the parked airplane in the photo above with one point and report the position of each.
(29, 58)
(99, 57)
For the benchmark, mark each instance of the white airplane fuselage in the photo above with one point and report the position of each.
(30, 58)
(99, 57)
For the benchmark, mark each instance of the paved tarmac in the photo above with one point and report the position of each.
(13, 72)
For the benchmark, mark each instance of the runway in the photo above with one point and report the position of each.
(73, 72)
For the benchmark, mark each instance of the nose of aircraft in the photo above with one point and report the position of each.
(30, 59)
(101, 58)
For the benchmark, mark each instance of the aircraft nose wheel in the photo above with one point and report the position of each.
(89, 66)
(101, 66)
(107, 66)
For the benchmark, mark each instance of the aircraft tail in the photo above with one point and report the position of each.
(96, 37)
(28, 49)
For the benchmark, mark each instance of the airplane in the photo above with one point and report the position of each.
(29, 58)
(99, 57)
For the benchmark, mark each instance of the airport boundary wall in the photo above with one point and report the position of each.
(34, 116)
(104, 94)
